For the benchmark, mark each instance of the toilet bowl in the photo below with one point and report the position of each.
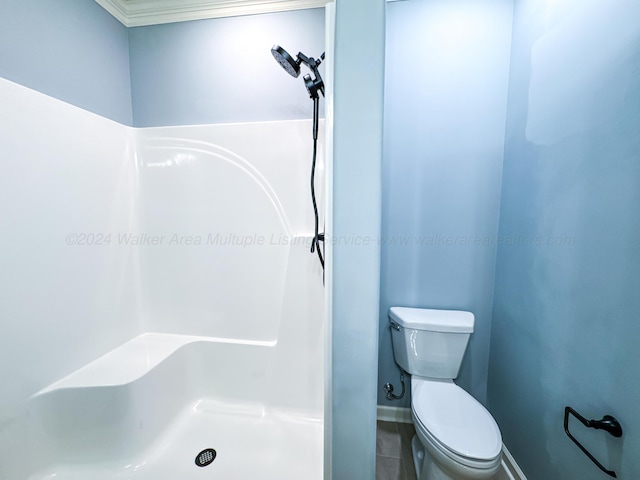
(456, 436)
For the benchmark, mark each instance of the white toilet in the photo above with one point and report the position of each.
(456, 437)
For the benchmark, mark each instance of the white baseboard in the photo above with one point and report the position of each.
(510, 469)
(394, 414)
(510, 466)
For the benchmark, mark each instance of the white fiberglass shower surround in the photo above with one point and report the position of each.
(161, 298)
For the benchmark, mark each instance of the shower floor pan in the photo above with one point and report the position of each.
(261, 447)
(146, 413)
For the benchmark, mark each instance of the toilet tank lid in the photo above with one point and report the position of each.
(453, 321)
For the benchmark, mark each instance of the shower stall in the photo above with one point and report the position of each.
(167, 319)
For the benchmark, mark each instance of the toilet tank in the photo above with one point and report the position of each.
(430, 343)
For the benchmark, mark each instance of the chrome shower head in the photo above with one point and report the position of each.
(286, 61)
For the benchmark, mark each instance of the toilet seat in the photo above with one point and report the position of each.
(455, 422)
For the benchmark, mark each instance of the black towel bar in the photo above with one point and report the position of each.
(608, 423)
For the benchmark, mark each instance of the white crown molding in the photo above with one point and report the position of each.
(136, 13)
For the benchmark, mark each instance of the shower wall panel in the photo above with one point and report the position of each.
(222, 208)
(69, 287)
(109, 231)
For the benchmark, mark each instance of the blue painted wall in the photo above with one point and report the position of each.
(355, 279)
(447, 67)
(566, 325)
(221, 70)
(209, 71)
(72, 50)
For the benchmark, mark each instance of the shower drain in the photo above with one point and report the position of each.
(206, 457)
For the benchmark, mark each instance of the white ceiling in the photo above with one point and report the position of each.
(135, 13)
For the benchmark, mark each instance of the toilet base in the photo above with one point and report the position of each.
(426, 468)
(429, 467)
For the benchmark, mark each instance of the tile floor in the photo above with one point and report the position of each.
(394, 460)
(393, 451)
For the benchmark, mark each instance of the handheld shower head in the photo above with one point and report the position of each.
(314, 85)
(286, 61)
(292, 67)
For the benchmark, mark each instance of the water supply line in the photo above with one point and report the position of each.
(388, 388)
